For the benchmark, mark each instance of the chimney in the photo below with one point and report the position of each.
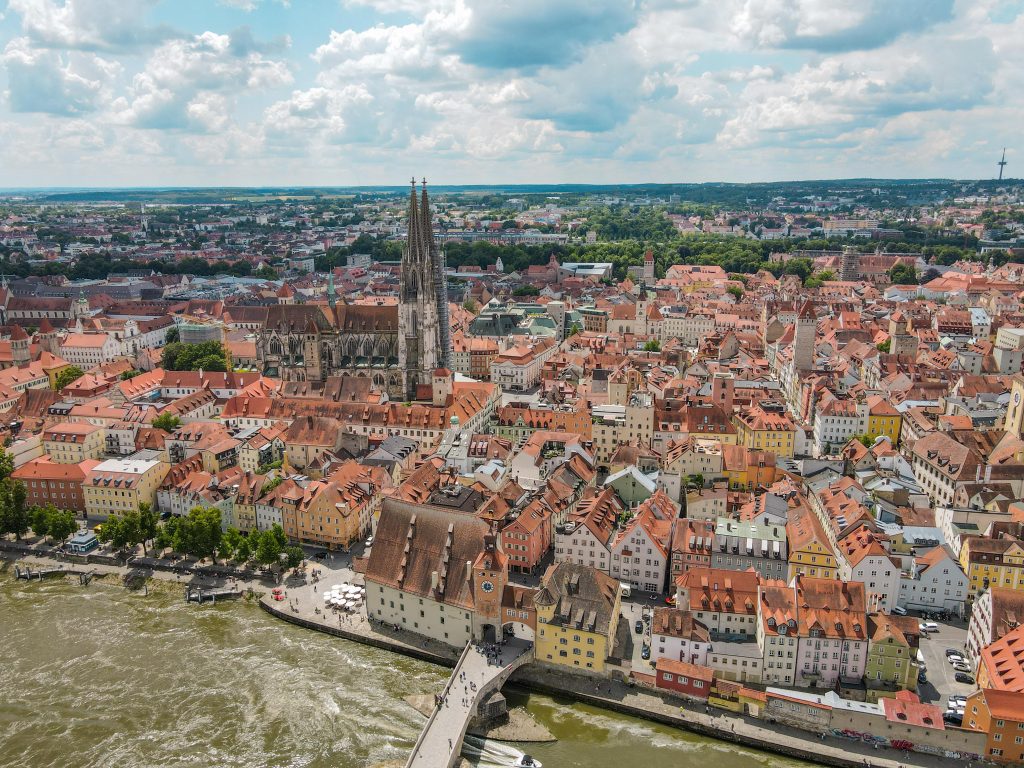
(433, 581)
(469, 570)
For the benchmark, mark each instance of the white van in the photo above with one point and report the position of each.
(624, 589)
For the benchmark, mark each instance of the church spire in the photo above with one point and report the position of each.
(414, 218)
(427, 225)
(332, 295)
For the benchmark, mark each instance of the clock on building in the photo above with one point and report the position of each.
(487, 586)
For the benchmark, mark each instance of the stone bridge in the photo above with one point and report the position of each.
(440, 741)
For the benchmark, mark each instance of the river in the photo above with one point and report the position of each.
(98, 677)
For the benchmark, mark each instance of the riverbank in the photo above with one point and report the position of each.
(641, 703)
(302, 606)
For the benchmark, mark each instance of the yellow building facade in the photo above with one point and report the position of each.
(117, 486)
(884, 420)
(578, 609)
(766, 432)
(992, 563)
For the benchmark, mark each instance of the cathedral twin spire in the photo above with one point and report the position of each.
(425, 334)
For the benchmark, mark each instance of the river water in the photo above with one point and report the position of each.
(96, 676)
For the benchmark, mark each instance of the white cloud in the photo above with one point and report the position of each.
(192, 84)
(48, 82)
(495, 89)
(91, 25)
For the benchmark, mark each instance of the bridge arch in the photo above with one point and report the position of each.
(518, 629)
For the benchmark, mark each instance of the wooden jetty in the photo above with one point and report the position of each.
(211, 594)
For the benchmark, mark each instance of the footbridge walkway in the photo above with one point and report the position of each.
(479, 671)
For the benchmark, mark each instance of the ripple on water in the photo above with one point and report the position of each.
(101, 678)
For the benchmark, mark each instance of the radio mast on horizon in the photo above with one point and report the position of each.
(1002, 164)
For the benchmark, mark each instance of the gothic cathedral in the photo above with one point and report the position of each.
(399, 348)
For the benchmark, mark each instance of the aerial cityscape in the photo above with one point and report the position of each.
(445, 383)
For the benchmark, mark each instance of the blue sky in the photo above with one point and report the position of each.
(337, 92)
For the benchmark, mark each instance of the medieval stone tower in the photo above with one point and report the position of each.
(804, 337)
(424, 334)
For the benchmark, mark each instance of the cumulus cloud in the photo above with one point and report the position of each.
(191, 84)
(89, 25)
(526, 34)
(839, 25)
(617, 90)
(826, 99)
(45, 81)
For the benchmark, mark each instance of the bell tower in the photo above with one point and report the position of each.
(490, 575)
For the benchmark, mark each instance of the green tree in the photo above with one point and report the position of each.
(173, 335)
(67, 376)
(199, 533)
(266, 272)
(270, 485)
(243, 551)
(230, 543)
(168, 422)
(470, 306)
(40, 521)
(526, 290)
(62, 524)
(148, 524)
(736, 291)
(6, 464)
(295, 556)
(652, 346)
(206, 355)
(903, 274)
(885, 346)
(14, 515)
(165, 535)
(267, 549)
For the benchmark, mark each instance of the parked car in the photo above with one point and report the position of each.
(953, 652)
(931, 626)
(922, 677)
(638, 627)
(963, 677)
(645, 654)
(961, 667)
(953, 718)
(955, 658)
(961, 701)
(369, 541)
(899, 611)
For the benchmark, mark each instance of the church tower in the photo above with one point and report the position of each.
(424, 336)
(20, 354)
(46, 337)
